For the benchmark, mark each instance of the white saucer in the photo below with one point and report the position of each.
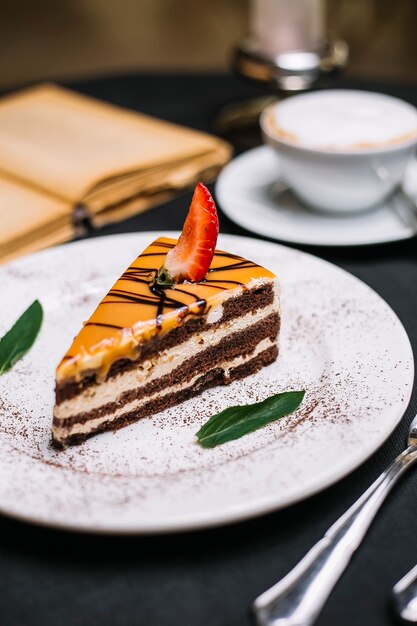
(246, 192)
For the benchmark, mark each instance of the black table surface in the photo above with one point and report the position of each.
(210, 578)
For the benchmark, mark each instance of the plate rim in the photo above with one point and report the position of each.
(258, 507)
(264, 231)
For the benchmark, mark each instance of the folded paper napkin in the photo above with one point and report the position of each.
(67, 160)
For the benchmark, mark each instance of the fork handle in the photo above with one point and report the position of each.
(297, 599)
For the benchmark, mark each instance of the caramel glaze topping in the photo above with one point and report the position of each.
(134, 311)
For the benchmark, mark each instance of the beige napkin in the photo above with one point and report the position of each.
(60, 150)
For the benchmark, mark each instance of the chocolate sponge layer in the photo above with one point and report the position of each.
(212, 378)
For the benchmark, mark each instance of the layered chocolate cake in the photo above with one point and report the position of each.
(158, 338)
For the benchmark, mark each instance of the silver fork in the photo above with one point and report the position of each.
(297, 599)
(405, 597)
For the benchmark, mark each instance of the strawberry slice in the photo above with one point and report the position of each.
(190, 259)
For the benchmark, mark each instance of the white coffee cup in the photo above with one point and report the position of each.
(341, 150)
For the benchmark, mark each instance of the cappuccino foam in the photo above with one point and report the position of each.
(344, 120)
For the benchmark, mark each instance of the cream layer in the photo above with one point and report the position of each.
(61, 433)
(95, 396)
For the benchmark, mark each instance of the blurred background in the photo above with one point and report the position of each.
(64, 39)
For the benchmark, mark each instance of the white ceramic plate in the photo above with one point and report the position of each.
(246, 191)
(339, 341)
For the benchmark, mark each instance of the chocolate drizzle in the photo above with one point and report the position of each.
(160, 297)
(104, 325)
(138, 303)
(159, 294)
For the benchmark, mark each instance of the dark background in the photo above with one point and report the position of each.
(62, 39)
(210, 578)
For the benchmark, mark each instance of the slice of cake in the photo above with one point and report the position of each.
(183, 317)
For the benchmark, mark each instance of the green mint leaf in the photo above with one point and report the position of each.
(17, 341)
(237, 421)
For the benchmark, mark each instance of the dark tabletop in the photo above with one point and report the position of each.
(210, 578)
